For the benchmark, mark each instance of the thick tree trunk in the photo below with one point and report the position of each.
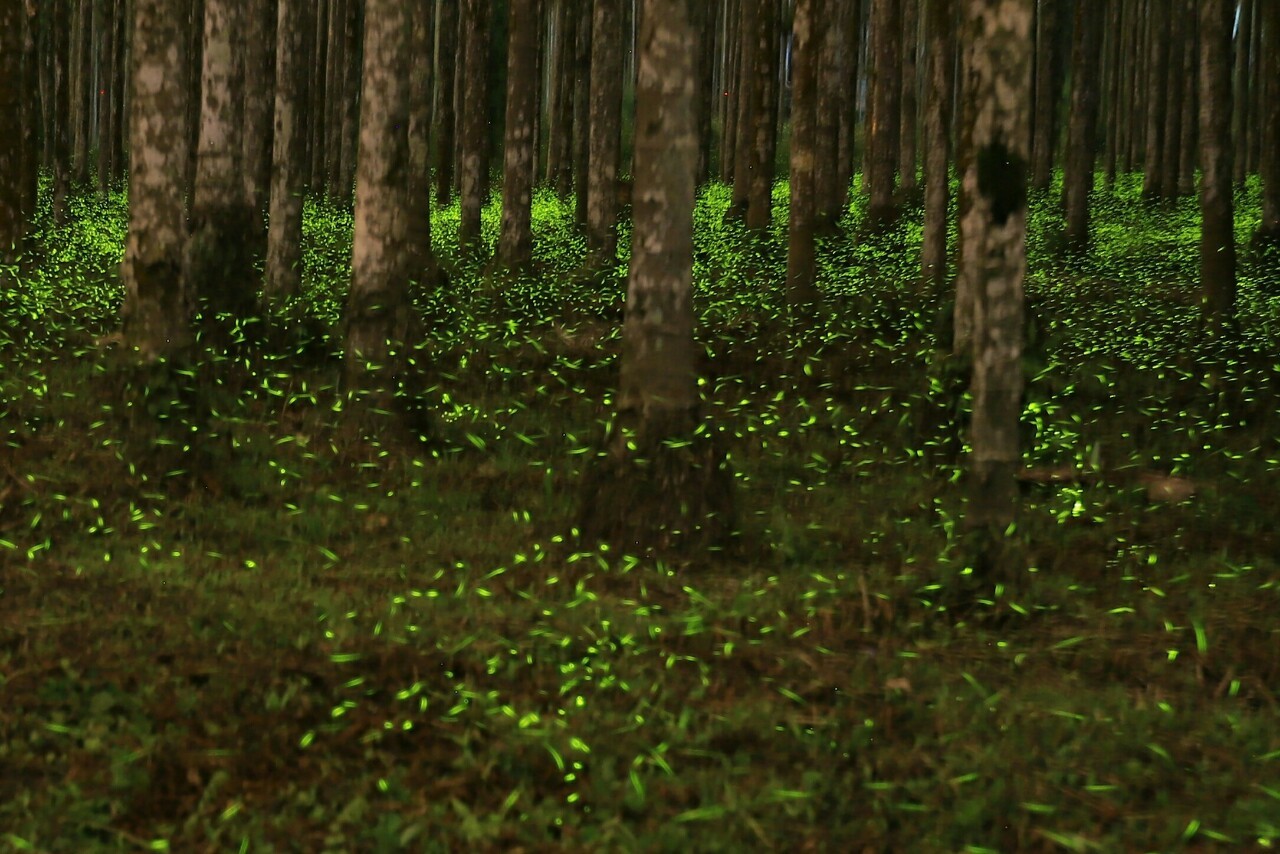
(606, 135)
(1217, 236)
(659, 485)
(335, 94)
(940, 58)
(12, 218)
(831, 54)
(811, 20)
(847, 30)
(318, 98)
(420, 258)
(1077, 179)
(353, 37)
(1269, 229)
(474, 108)
(157, 307)
(1171, 155)
(704, 21)
(762, 151)
(446, 118)
(910, 105)
(999, 83)
(107, 47)
(515, 244)
(1047, 91)
(1157, 74)
(259, 103)
(288, 174)
(560, 109)
(883, 132)
(218, 263)
(377, 308)
(1188, 154)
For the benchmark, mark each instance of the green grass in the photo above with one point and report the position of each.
(235, 617)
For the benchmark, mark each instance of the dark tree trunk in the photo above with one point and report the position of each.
(474, 108)
(1157, 99)
(1240, 89)
(1111, 86)
(421, 258)
(288, 175)
(1171, 156)
(581, 110)
(704, 21)
(12, 220)
(353, 36)
(1217, 237)
(886, 87)
(446, 118)
(107, 108)
(1269, 229)
(1077, 179)
(194, 70)
(830, 169)
(335, 96)
(515, 245)
(762, 151)
(1187, 149)
(1047, 91)
(910, 107)
(30, 115)
(61, 114)
(811, 20)
(259, 104)
(732, 96)
(606, 135)
(940, 59)
(747, 100)
(319, 96)
(83, 91)
(560, 109)
(844, 37)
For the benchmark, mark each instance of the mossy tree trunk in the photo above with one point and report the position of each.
(1077, 180)
(660, 483)
(515, 242)
(474, 107)
(998, 86)
(218, 263)
(605, 153)
(940, 81)
(809, 28)
(289, 171)
(1217, 215)
(377, 307)
(157, 307)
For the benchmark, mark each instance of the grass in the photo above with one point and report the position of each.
(233, 617)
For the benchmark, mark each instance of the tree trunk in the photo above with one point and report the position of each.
(659, 485)
(259, 104)
(1240, 90)
(606, 130)
(1047, 91)
(581, 110)
(218, 263)
(847, 26)
(1077, 179)
(353, 37)
(377, 308)
(1157, 100)
(157, 307)
(831, 110)
(1171, 155)
(515, 244)
(419, 255)
(446, 118)
(1217, 236)
(1269, 229)
(1187, 153)
(886, 93)
(910, 84)
(193, 72)
(83, 91)
(939, 26)
(288, 174)
(811, 20)
(12, 219)
(475, 120)
(335, 95)
(560, 109)
(763, 147)
(704, 18)
(106, 88)
(733, 80)
(746, 84)
(30, 115)
(61, 113)
(318, 98)
(999, 80)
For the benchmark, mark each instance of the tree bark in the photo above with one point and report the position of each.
(259, 104)
(1171, 155)
(581, 110)
(475, 121)
(1077, 179)
(560, 109)
(764, 120)
(157, 306)
(12, 218)
(811, 20)
(732, 96)
(1157, 101)
(998, 84)
(420, 257)
(1269, 229)
(446, 118)
(883, 129)
(377, 307)
(61, 114)
(830, 169)
(318, 96)
(515, 243)
(1047, 91)
(288, 174)
(910, 107)
(940, 57)
(606, 129)
(1217, 236)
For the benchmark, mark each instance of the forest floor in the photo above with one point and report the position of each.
(235, 614)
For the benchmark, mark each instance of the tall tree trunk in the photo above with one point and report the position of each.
(218, 263)
(1157, 99)
(1240, 90)
(1217, 236)
(847, 27)
(377, 307)
(353, 37)
(319, 99)
(811, 21)
(335, 95)
(419, 255)
(474, 108)
(830, 169)
(288, 174)
(732, 95)
(1047, 91)
(560, 109)
(999, 85)
(581, 110)
(886, 90)
(1077, 179)
(1171, 156)
(746, 87)
(12, 218)
(30, 115)
(940, 57)
(82, 94)
(515, 244)
(106, 86)
(61, 114)
(704, 18)
(606, 134)
(1269, 229)
(259, 104)
(446, 118)
(157, 307)
(910, 86)
(649, 491)
(1111, 89)
(763, 148)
